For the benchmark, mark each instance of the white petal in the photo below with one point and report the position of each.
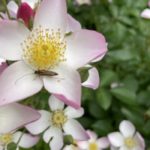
(13, 8)
(124, 148)
(15, 115)
(66, 86)
(70, 147)
(116, 139)
(72, 24)
(1, 147)
(83, 144)
(52, 14)
(127, 128)
(41, 124)
(83, 47)
(92, 135)
(93, 79)
(71, 112)
(32, 3)
(12, 34)
(18, 82)
(103, 143)
(140, 140)
(146, 13)
(54, 137)
(25, 140)
(55, 103)
(74, 128)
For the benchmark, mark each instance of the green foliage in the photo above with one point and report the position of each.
(127, 65)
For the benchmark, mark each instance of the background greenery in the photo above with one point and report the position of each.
(127, 65)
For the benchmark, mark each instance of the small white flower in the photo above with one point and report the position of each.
(94, 143)
(21, 139)
(58, 122)
(127, 138)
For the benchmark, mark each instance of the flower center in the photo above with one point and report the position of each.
(93, 146)
(58, 118)
(6, 138)
(44, 49)
(130, 142)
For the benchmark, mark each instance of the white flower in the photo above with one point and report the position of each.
(21, 139)
(57, 122)
(46, 56)
(127, 138)
(94, 143)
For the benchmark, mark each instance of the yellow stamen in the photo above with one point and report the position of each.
(130, 142)
(6, 138)
(93, 146)
(44, 49)
(58, 118)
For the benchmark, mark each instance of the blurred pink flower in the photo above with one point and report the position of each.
(3, 65)
(35, 54)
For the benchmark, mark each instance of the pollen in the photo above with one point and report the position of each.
(44, 49)
(130, 142)
(58, 118)
(6, 139)
(93, 146)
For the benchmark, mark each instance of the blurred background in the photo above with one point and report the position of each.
(124, 92)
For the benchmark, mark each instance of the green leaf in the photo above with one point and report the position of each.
(107, 77)
(121, 55)
(104, 99)
(103, 127)
(125, 95)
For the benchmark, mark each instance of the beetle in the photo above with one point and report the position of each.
(46, 73)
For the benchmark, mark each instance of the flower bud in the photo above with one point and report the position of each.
(26, 13)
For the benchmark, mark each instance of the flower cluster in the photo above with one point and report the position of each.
(42, 47)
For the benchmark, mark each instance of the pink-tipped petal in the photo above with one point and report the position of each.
(41, 124)
(127, 128)
(56, 136)
(70, 112)
(18, 82)
(83, 47)
(52, 14)
(66, 86)
(12, 34)
(74, 128)
(93, 79)
(92, 135)
(146, 13)
(25, 140)
(72, 24)
(15, 115)
(116, 139)
(103, 143)
(55, 103)
(140, 140)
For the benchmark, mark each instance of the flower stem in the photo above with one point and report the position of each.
(7, 11)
